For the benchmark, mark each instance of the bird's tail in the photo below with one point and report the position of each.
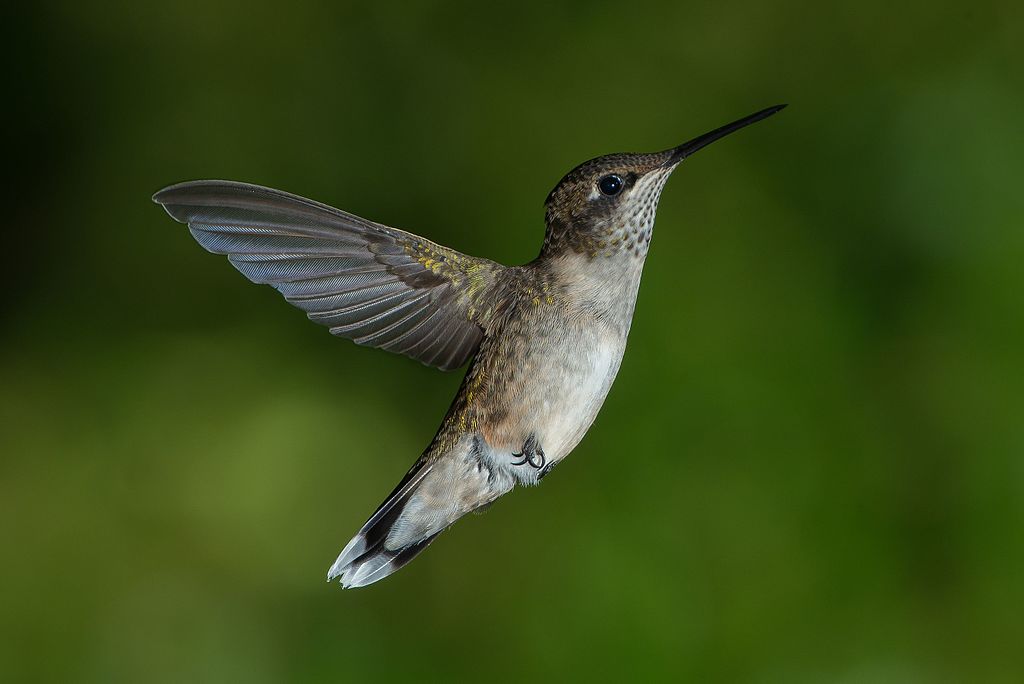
(432, 496)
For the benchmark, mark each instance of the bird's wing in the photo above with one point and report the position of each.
(376, 285)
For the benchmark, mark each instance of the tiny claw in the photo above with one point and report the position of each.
(530, 450)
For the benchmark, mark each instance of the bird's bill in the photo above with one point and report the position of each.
(678, 154)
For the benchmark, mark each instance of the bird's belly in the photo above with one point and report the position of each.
(565, 417)
(549, 396)
(575, 384)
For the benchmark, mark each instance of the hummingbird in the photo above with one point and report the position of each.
(546, 338)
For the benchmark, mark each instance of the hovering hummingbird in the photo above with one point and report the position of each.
(546, 338)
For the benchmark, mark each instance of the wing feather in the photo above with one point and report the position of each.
(377, 285)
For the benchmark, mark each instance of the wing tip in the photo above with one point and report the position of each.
(181, 195)
(166, 194)
(186, 189)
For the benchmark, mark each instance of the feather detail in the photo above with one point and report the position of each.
(376, 285)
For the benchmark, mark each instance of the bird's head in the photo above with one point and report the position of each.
(606, 206)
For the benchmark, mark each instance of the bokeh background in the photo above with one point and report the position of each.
(811, 468)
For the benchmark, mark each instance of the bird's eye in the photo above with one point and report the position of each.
(610, 185)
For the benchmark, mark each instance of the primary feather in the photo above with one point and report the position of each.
(376, 285)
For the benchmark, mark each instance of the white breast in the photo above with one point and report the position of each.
(586, 375)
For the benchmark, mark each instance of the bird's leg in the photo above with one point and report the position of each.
(531, 454)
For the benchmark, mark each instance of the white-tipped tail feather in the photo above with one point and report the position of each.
(369, 556)
(432, 496)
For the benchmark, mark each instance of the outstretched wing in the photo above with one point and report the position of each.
(376, 285)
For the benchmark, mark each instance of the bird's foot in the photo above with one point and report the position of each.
(532, 454)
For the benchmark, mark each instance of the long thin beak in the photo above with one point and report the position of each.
(687, 148)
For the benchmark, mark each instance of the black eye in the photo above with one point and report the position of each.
(610, 185)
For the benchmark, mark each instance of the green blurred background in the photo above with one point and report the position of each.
(811, 468)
